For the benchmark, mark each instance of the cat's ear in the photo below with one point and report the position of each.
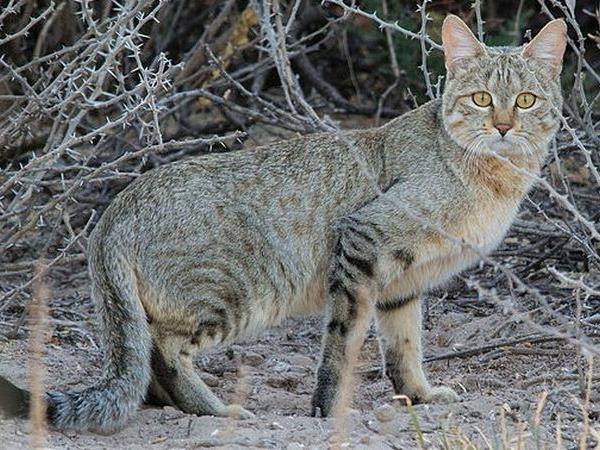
(548, 47)
(458, 42)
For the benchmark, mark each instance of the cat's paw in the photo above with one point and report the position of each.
(237, 412)
(324, 397)
(439, 394)
(322, 400)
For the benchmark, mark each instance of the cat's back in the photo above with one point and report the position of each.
(295, 186)
(302, 166)
(313, 170)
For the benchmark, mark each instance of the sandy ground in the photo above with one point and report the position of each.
(273, 376)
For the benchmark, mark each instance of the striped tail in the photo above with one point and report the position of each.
(105, 407)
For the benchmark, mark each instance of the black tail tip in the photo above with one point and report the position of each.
(14, 401)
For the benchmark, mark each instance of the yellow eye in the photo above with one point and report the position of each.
(482, 99)
(525, 100)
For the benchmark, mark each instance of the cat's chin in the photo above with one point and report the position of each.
(503, 147)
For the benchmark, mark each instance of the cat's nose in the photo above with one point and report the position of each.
(503, 128)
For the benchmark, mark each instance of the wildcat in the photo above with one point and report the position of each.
(202, 251)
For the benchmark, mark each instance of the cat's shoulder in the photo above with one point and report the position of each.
(430, 111)
(423, 118)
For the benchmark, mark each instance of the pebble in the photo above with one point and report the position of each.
(288, 383)
(385, 412)
(301, 361)
(518, 405)
(295, 446)
(276, 426)
(210, 379)
(253, 359)
(476, 414)
(171, 410)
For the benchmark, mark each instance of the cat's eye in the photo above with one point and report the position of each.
(482, 99)
(525, 100)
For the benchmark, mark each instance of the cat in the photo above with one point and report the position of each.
(203, 251)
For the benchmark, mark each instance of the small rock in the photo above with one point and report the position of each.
(210, 379)
(518, 405)
(385, 412)
(253, 359)
(476, 414)
(295, 446)
(275, 426)
(170, 410)
(287, 383)
(170, 413)
(281, 366)
(301, 361)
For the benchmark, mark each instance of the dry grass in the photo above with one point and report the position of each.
(38, 314)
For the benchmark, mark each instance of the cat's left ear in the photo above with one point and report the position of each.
(548, 47)
(459, 42)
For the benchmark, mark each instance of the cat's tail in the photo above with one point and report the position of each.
(106, 406)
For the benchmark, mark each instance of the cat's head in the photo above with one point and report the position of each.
(503, 100)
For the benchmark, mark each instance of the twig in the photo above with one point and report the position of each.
(494, 346)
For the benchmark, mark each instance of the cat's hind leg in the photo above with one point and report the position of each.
(399, 326)
(156, 394)
(175, 381)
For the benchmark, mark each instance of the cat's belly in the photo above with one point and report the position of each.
(308, 296)
(437, 260)
(422, 277)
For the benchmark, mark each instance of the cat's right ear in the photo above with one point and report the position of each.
(548, 47)
(458, 42)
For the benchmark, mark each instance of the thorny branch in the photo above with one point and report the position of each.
(85, 111)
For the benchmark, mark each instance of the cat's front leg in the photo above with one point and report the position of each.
(349, 310)
(344, 335)
(399, 326)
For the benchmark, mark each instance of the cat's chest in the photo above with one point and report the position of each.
(485, 225)
(440, 257)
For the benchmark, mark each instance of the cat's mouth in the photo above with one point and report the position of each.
(502, 142)
(512, 144)
(503, 145)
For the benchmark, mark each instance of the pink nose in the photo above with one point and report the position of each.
(503, 128)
